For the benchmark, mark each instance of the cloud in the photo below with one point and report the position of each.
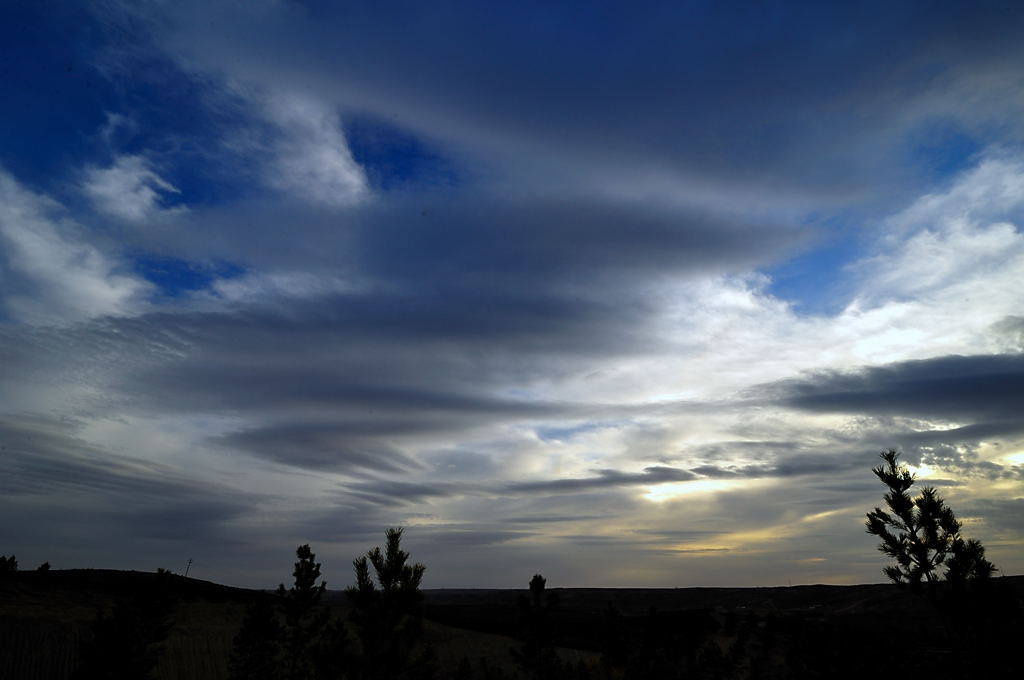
(953, 388)
(385, 378)
(1010, 333)
(391, 493)
(130, 189)
(512, 89)
(52, 272)
(317, 446)
(255, 287)
(1003, 515)
(573, 340)
(313, 159)
(42, 458)
(938, 246)
(606, 478)
(467, 537)
(299, 146)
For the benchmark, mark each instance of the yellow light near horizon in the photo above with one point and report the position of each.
(672, 490)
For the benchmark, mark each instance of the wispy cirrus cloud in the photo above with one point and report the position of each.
(130, 189)
(53, 273)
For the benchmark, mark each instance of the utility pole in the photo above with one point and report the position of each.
(188, 566)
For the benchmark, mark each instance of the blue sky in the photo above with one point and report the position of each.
(626, 296)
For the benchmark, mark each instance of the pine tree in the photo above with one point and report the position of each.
(257, 648)
(127, 644)
(313, 644)
(537, 655)
(921, 533)
(388, 613)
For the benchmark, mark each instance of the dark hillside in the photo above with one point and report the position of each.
(45, 617)
(802, 631)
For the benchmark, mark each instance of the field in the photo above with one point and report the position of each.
(46, 617)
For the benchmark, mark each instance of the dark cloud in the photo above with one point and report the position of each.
(1010, 330)
(645, 540)
(366, 381)
(483, 265)
(395, 493)
(615, 541)
(42, 458)
(757, 459)
(677, 534)
(958, 388)
(196, 517)
(341, 522)
(553, 519)
(942, 482)
(600, 504)
(605, 478)
(978, 432)
(537, 245)
(1005, 515)
(462, 464)
(315, 446)
(786, 466)
(418, 355)
(725, 102)
(460, 536)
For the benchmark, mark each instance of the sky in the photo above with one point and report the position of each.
(630, 294)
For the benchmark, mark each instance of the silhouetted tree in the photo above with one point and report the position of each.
(312, 642)
(257, 648)
(388, 613)
(464, 670)
(920, 533)
(127, 644)
(614, 640)
(8, 564)
(332, 655)
(923, 535)
(537, 657)
(968, 564)
(45, 566)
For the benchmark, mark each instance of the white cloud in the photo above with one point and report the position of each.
(275, 286)
(944, 241)
(304, 153)
(129, 189)
(991, 191)
(50, 273)
(313, 159)
(942, 286)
